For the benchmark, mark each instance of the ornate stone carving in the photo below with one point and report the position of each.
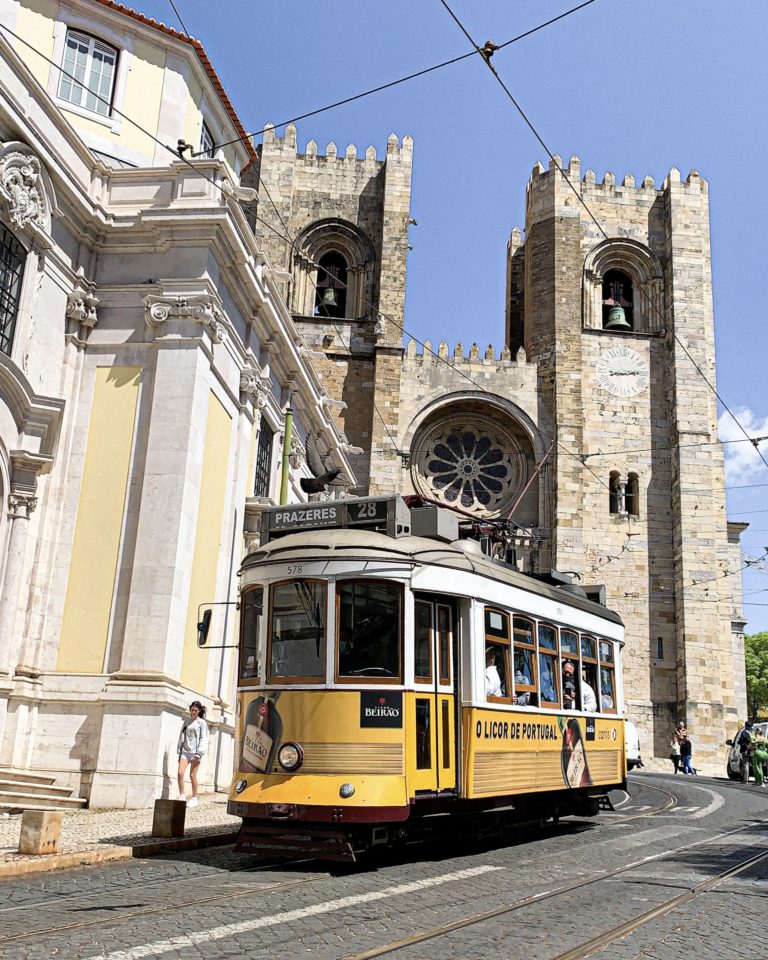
(298, 455)
(21, 185)
(81, 306)
(254, 385)
(21, 505)
(202, 309)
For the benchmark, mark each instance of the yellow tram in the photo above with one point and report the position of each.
(391, 676)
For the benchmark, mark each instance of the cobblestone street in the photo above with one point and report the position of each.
(215, 903)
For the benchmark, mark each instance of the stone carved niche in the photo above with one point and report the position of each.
(25, 187)
(158, 310)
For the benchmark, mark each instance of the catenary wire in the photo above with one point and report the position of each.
(175, 153)
(486, 57)
(410, 76)
(178, 17)
(219, 186)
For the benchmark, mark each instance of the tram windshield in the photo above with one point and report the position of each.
(369, 629)
(297, 630)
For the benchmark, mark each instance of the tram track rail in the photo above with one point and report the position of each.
(117, 918)
(604, 939)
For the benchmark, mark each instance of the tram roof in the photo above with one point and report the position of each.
(345, 544)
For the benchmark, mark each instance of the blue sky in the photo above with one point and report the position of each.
(628, 87)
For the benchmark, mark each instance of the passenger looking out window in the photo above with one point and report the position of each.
(494, 656)
(496, 677)
(569, 685)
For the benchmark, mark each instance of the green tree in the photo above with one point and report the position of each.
(756, 660)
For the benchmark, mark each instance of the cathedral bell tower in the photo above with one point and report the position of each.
(336, 229)
(618, 318)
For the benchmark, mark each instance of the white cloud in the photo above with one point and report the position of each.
(742, 461)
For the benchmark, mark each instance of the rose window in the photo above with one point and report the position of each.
(469, 463)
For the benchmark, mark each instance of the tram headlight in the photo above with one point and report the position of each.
(346, 790)
(240, 786)
(290, 756)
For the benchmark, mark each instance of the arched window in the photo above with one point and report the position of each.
(331, 296)
(632, 495)
(336, 260)
(618, 313)
(623, 288)
(615, 492)
(12, 257)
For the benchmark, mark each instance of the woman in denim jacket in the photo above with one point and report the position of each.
(192, 747)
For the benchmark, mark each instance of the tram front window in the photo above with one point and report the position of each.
(297, 631)
(369, 629)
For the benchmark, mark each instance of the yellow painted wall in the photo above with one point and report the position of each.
(35, 25)
(93, 566)
(143, 94)
(205, 562)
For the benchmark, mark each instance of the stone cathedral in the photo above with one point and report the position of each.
(593, 429)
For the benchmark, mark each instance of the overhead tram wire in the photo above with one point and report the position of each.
(178, 17)
(288, 239)
(410, 76)
(219, 186)
(486, 54)
(179, 156)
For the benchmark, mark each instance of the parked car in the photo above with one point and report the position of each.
(632, 740)
(734, 764)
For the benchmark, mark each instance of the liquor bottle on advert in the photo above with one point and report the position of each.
(263, 729)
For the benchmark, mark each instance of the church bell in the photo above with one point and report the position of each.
(617, 319)
(329, 297)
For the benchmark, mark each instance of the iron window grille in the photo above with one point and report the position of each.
(12, 257)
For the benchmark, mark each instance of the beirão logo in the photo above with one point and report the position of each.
(382, 710)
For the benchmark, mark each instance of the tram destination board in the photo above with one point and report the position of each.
(388, 515)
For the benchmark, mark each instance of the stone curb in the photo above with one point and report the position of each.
(82, 858)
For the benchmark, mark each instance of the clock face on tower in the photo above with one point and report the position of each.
(622, 372)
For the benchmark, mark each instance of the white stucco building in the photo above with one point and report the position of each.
(147, 361)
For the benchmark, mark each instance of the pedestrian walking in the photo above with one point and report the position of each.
(759, 755)
(686, 753)
(192, 747)
(675, 754)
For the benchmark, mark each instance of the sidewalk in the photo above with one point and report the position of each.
(94, 836)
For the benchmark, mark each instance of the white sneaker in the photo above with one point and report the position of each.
(192, 802)
(182, 798)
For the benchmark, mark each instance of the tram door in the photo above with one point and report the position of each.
(433, 737)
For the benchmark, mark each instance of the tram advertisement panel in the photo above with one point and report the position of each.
(513, 752)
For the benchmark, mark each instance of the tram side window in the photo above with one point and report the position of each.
(369, 629)
(422, 641)
(548, 664)
(525, 663)
(588, 674)
(251, 606)
(497, 686)
(297, 631)
(607, 677)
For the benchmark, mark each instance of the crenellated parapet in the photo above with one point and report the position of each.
(608, 187)
(426, 355)
(396, 149)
